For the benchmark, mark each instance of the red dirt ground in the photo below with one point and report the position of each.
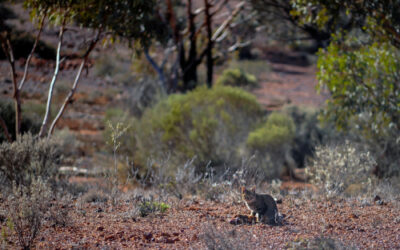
(289, 84)
(97, 225)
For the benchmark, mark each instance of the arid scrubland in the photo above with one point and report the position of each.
(122, 131)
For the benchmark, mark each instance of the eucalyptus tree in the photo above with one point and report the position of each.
(130, 20)
(361, 69)
(194, 29)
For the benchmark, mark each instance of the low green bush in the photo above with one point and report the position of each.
(209, 124)
(148, 206)
(236, 77)
(271, 144)
(276, 133)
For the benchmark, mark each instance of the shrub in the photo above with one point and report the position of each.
(211, 124)
(363, 80)
(128, 141)
(309, 132)
(237, 78)
(29, 123)
(272, 142)
(335, 168)
(275, 134)
(29, 158)
(71, 147)
(148, 206)
(27, 208)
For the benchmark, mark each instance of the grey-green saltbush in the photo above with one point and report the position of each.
(335, 168)
(28, 158)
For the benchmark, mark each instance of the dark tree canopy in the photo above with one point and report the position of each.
(380, 18)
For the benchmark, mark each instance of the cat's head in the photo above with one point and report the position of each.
(248, 194)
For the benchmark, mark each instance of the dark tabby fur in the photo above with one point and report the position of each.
(263, 206)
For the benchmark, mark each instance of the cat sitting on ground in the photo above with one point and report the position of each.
(262, 206)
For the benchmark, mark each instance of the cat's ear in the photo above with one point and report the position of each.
(253, 189)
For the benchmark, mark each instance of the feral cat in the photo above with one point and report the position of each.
(263, 206)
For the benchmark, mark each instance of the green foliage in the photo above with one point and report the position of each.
(124, 18)
(30, 123)
(381, 19)
(148, 206)
(28, 158)
(363, 81)
(127, 142)
(6, 232)
(272, 143)
(237, 78)
(335, 168)
(210, 124)
(287, 20)
(278, 131)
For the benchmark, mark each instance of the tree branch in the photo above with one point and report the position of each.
(28, 60)
(8, 51)
(71, 93)
(157, 68)
(53, 81)
(225, 24)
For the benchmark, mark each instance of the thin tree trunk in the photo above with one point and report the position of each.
(157, 68)
(228, 21)
(46, 118)
(28, 60)
(8, 51)
(70, 95)
(210, 61)
(189, 68)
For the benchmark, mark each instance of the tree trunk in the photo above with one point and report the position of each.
(8, 51)
(189, 66)
(71, 93)
(43, 128)
(210, 61)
